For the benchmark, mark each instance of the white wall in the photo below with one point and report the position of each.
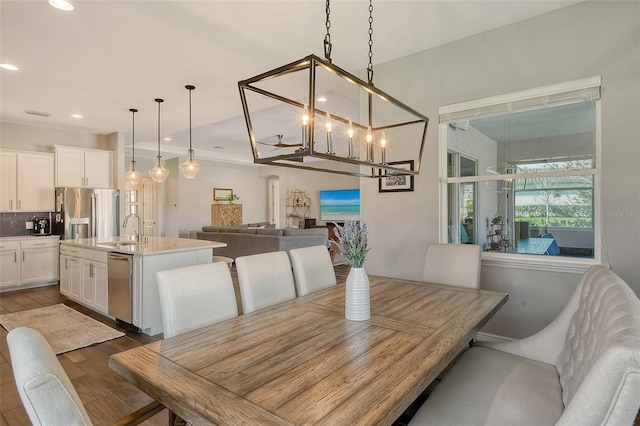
(42, 139)
(584, 40)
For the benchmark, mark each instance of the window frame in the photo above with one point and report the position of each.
(502, 104)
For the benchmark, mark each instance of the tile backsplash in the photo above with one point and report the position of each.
(13, 224)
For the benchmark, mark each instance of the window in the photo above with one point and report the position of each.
(520, 173)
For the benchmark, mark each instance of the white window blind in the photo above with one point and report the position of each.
(587, 90)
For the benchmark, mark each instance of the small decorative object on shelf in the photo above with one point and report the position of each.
(298, 204)
(498, 238)
(352, 242)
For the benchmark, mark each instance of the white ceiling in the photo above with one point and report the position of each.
(108, 56)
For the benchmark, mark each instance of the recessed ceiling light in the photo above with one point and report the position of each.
(322, 99)
(167, 139)
(61, 4)
(76, 115)
(9, 67)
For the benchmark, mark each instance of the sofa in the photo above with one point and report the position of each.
(257, 238)
(582, 369)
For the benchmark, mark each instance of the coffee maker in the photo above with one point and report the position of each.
(41, 226)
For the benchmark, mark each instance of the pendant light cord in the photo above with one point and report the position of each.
(190, 88)
(370, 66)
(159, 101)
(133, 132)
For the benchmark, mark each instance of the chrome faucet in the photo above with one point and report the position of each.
(138, 234)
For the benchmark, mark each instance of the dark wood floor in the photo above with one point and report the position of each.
(105, 394)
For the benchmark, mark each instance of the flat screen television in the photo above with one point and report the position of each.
(338, 205)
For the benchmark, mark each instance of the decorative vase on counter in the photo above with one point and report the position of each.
(357, 300)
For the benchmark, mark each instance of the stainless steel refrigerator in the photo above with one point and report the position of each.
(86, 213)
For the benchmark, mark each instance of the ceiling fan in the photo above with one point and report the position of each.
(280, 144)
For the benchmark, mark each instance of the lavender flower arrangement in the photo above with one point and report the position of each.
(352, 241)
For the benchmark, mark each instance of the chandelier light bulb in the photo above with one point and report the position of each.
(369, 145)
(329, 127)
(305, 128)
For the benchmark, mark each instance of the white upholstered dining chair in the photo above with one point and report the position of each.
(452, 264)
(265, 279)
(46, 391)
(312, 269)
(195, 296)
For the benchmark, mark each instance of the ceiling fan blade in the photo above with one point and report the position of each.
(287, 145)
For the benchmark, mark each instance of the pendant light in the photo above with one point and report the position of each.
(190, 168)
(159, 173)
(133, 177)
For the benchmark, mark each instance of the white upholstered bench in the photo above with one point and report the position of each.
(582, 369)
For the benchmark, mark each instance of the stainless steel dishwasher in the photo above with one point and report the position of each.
(120, 271)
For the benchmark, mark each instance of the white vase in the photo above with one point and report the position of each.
(357, 300)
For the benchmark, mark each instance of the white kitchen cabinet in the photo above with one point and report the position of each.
(95, 290)
(75, 279)
(39, 260)
(28, 262)
(8, 200)
(83, 167)
(27, 181)
(9, 263)
(70, 272)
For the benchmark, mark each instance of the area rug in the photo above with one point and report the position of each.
(64, 328)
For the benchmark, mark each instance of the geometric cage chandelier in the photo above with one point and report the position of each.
(331, 120)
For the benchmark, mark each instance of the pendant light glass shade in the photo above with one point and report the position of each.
(132, 176)
(159, 173)
(190, 168)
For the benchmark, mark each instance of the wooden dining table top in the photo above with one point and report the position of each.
(301, 362)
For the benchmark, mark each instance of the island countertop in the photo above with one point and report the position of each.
(151, 245)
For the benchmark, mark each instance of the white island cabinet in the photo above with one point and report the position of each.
(157, 254)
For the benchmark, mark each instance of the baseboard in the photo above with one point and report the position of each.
(487, 337)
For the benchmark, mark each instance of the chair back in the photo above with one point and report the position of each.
(195, 296)
(265, 279)
(599, 366)
(312, 269)
(46, 392)
(452, 264)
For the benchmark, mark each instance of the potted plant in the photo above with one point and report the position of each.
(352, 242)
(497, 219)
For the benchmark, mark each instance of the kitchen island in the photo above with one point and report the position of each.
(84, 273)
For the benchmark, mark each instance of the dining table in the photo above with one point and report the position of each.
(301, 362)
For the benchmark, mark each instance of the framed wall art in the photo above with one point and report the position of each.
(222, 194)
(397, 183)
